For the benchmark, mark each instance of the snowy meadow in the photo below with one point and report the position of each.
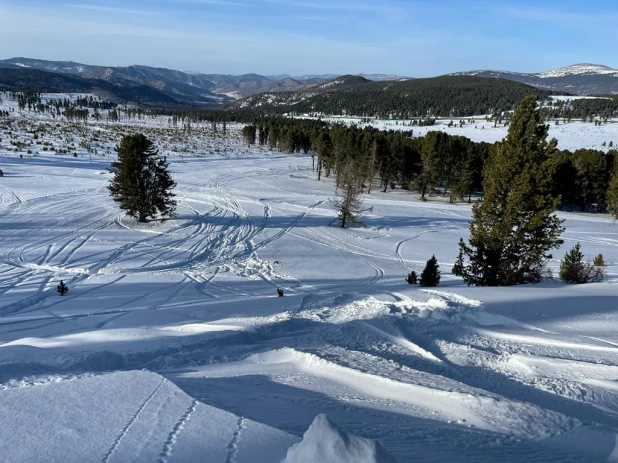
(172, 344)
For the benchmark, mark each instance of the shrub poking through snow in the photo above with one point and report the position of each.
(574, 270)
(431, 275)
(280, 292)
(412, 279)
(62, 288)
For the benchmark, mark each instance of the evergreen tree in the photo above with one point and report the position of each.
(249, 133)
(612, 194)
(142, 184)
(574, 270)
(514, 226)
(599, 261)
(325, 151)
(412, 279)
(62, 288)
(431, 275)
(435, 144)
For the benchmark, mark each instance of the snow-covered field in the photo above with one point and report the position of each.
(571, 136)
(452, 374)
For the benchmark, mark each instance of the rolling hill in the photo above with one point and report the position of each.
(446, 96)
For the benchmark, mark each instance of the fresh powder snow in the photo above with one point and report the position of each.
(172, 344)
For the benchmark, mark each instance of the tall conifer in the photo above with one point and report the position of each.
(514, 227)
(612, 194)
(141, 184)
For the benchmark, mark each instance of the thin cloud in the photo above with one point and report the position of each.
(110, 9)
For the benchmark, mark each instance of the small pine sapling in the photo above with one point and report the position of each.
(599, 269)
(62, 288)
(412, 279)
(574, 270)
(431, 275)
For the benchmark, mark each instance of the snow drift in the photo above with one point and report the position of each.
(324, 442)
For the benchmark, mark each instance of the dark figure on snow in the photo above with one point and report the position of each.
(62, 288)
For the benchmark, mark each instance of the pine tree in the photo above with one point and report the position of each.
(572, 267)
(599, 269)
(142, 184)
(62, 288)
(514, 226)
(431, 275)
(599, 260)
(433, 147)
(412, 279)
(612, 194)
(574, 270)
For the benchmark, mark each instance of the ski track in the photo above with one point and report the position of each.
(399, 247)
(220, 230)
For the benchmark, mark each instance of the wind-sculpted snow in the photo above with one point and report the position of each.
(133, 416)
(434, 374)
(326, 442)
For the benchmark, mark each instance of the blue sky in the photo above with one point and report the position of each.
(407, 37)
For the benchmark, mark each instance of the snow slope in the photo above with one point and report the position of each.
(133, 416)
(451, 374)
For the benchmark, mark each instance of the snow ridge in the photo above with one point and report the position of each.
(577, 70)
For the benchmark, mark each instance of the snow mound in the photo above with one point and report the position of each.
(441, 306)
(325, 442)
(132, 416)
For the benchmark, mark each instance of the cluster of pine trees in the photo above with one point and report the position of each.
(604, 107)
(584, 180)
(394, 158)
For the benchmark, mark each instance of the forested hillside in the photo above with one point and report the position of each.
(446, 96)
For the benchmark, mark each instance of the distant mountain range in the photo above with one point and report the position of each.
(149, 85)
(325, 77)
(579, 79)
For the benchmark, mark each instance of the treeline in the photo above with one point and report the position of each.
(82, 102)
(603, 107)
(437, 163)
(393, 158)
(582, 178)
(446, 96)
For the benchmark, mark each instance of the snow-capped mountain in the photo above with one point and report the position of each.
(374, 77)
(584, 69)
(383, 77)
(581, 79)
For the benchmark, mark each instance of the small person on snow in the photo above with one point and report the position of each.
(280, 292)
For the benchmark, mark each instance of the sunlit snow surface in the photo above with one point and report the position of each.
(452, 374)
